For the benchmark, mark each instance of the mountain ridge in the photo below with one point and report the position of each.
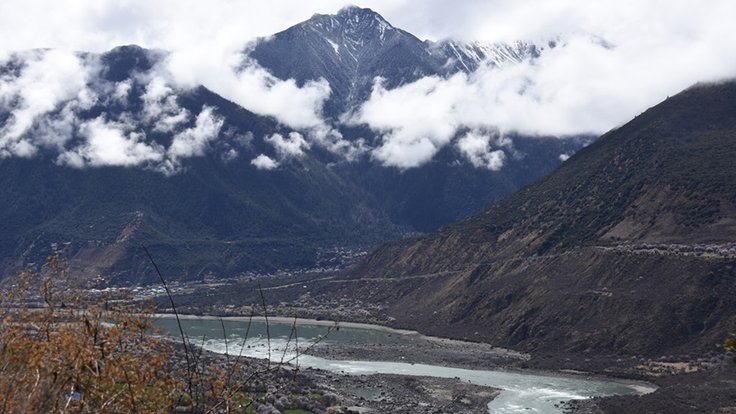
(641, 222)
(186, 180)
(363, 45)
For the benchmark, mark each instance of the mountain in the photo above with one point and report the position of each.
(628, 247)
(350, 50)
(353, 47)
(125, 158)
(213, 215)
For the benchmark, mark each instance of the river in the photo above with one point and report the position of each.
(522, 392)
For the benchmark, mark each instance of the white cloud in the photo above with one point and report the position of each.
(122, 90)
(110, 144)
(44, 100)
(55, 131)
(251, 86)
(579, 87)
(477, 149)
(205, 40)
(192, 142)
(160, 106)
(416, 119)
(264, 162)
(123, 143)
(230, 155)
(166, 24)
(293, 146)
(48, 79)
(241, 80)
(405, 151)
(660, 48)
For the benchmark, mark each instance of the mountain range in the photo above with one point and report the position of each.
(118, 157)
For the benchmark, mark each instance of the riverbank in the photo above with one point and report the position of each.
(352, 393)
(417, 348)
(289, 321)
(677, 375)
(415, 372)
(704, 392)
(276, 388)
(414, 347)
(384, 393)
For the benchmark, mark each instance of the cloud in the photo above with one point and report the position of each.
(333, 141)
(192, 142)
(124, 144)
(166, 24)
(477, 149)
(257, 90)
(293, 146)
(250, 86)
(110, 144)
(241, 80)
(205, 44)
(47, 79)
(159, 104)
(415, 119)
(122, 90)
(45, 97)
(581, 87)
(264, 162)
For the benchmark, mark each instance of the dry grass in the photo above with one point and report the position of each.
(76, 353)
(63, 350)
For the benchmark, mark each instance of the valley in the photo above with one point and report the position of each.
(696, 374)
(610, 265)
(497, 208)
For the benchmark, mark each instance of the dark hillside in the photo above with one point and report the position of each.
(629, 246)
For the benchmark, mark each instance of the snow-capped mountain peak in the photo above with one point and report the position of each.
(354, 46)
(358, 14)
(467, 57)
(352, 25)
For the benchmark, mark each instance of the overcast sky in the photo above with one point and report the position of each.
(175, 24)
(658, 48)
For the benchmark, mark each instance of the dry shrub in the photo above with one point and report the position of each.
(71, 346)
(730, 343)
(76, 352)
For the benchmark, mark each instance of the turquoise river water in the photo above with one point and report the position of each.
(522, 392)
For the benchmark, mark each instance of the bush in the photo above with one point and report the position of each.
(74, 346)
(730, 344)
(75, 353)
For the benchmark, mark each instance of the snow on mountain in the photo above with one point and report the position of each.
(468, 57)
(352, 48)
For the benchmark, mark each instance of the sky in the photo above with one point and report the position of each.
(222, 24)
(619, 58)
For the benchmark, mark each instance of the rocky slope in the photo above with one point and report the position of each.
(627, 247)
